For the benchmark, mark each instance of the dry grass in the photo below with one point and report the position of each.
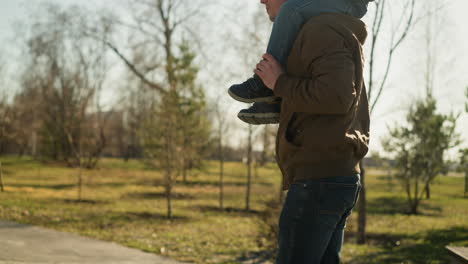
(124, 203)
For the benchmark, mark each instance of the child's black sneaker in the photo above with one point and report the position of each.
(252, 90)
(261, 113)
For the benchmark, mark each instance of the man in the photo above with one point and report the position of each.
(287, 25)
(322, 136)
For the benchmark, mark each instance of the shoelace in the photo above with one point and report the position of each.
(253, 84)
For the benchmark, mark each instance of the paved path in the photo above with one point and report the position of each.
(23, 244)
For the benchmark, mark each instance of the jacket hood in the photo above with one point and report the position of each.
(341, 22)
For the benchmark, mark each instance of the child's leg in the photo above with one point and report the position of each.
(294, 13)
(286, 27)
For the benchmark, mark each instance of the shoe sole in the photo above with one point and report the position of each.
(268, 99)
(259, 119)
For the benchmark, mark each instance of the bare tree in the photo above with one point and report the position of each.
(3, 122)
(64, 74)
(399, 33)
(163, 63)
(250, 46)
(137, 100)
(249, 168)
(25, 121)
(268, 139)
(77, 151)
(161, 141)
(222, 127)
(67, 70)
(2, 132)
(375, 88)
(2, 188)
(463, 167)
(7, 132)
(157, 27)
(5, 113)
(434, 22)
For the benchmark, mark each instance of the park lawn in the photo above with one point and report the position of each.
(396, 237)
(124, 202)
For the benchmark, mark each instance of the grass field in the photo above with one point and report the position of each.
(124, 203)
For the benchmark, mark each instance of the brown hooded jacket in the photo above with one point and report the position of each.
(324, 121)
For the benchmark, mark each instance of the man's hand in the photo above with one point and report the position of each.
(269, 70)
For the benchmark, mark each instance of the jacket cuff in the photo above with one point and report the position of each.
(281, 86)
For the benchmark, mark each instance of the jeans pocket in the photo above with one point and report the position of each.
(294, 204)
(337, 198)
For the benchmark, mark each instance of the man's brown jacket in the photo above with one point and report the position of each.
(324, 122)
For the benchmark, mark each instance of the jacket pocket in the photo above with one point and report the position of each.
(294, 131)
(287, 149)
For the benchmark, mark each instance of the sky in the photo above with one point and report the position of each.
(403, 87)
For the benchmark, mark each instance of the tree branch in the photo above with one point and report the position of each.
(132, 67)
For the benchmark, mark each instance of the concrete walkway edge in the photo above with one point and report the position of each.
(36, 245)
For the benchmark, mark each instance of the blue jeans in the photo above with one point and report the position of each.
(313, 218)
(294, 13)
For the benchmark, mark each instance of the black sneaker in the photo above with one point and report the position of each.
(252, 90)
(261, 113)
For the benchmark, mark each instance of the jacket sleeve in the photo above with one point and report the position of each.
(328, 86)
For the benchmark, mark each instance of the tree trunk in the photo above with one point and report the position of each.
(80, 182)
(414, 206)
(170, 154)
(184, 172)
(266, 146)
(169, 200)
(362, 208)
(34, 137)
(466, 183)
(169, 182)
(21, 152)
(221, 163)
(221, 171)
(256, 169)
(249, 169)
(221, 183)
(1, 178)
(428, 191)
(414, 202)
